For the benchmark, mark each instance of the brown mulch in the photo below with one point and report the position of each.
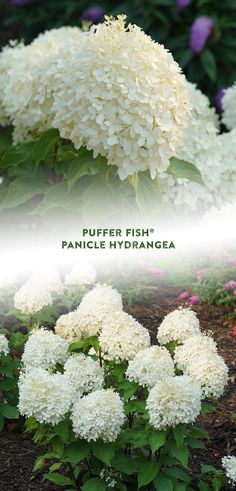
(18, 453)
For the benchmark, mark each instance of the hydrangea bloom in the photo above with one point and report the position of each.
(31, 298)
(174, 400)
(122, 337)
(210, 370)
(3, 345)
(98, 416)
(49, 279)
(47, 397)
(44, 349)
(202, 147)
(81, 274)
(76, 325)
(193, 348)
(229, 107)
(125, 98)
(229, 464)
(101, 301)
(28, 76)
(84, 374)
(150, 365)
(178, 326)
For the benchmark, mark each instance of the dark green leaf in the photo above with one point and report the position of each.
(44, 145)
(76, 452)
(147, 473)
(205, 469)
(180, 432)
(209, 64)
(125, 464)
(23, 189)
(176, 473)
(8, 384)
(104, 452)
(157, 439)
(203, 486)
(9, 411)
(2, 421)
(162, 483)
(94, 484)
(15, 155)
(62, 430)
(181, 453)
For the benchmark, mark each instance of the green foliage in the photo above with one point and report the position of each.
(49, 175)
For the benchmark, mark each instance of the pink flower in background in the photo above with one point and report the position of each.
(183, 295)
(234, 293)
(217, 455)
(182, 4)
(200, 274)
(93, 14)
(194, 300)
(201, 30)
(230, 285)
(160, 272)
(231, 261)
(234, 332)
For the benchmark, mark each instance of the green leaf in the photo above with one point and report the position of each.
(76, 452)
(8, 384)
(148, 192)
(184, 170)
(2, 422)
(9, 411)
(135, 406)
(44, 145)
(22, 189)
(55, 197)
(58, 446)
(59, 479)
(157, 439)
(62, 430)
(162, 483)
(203, 486)
(181, 453)
(194, 442)
(181, 486)
(207, 409)
(176, 473)
(15, 155)
(55, 467)
(85, 344)
(185, 58)
(104, 452)
(216, 483)
(205, 469)
(180, 431)
(147, 473)
(125, 464)
(94, 484)
(5, 140)
(209, 64)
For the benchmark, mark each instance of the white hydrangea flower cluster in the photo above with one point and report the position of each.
(88, 319)
(124, 97)
(122, 337)
(84, 374)
(150, 365)
(198, 358)
(174, 400)
(229, 107)
(213, 154)
(4, 348)
(229, 464)
(98, 415)
(47, 397)
(28, 79)
(44, 349)
(49, 279)
(81, 274)
(178, 326)
(32, 297)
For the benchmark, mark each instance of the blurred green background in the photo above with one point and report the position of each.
(167, 21)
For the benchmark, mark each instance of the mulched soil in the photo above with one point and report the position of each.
(18, 453)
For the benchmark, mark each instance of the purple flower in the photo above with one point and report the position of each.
(183, 295)
(194, 300)
(218, 99)
(201, 29)
(18, 3)
(183, 3)
(93, 14)
(230, 285)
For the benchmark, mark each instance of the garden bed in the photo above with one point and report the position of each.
(18, 453)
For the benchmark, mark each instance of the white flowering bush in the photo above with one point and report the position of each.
(114, 410)
(92, 109)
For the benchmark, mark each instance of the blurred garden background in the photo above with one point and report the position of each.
(199, 33)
